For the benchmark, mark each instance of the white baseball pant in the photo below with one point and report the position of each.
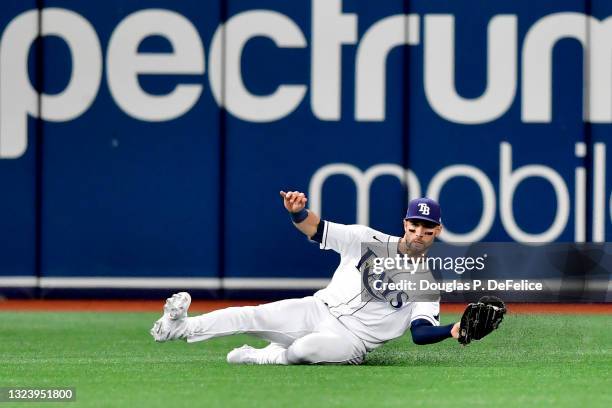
(305, 328)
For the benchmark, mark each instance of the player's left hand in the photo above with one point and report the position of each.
(455, 330)
(481, 318)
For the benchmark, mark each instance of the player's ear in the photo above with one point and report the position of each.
(438, 230)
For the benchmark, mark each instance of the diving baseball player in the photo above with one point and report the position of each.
(336, 325)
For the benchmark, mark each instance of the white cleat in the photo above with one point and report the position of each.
(173, 324)
(242, 355)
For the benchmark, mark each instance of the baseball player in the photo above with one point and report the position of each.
(336, 325)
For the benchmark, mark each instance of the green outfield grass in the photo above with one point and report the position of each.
(532, 361)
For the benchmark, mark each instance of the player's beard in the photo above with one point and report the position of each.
(415, 248)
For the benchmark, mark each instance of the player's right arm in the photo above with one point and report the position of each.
(304, 220)
(329, 235)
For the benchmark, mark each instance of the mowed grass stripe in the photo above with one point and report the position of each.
(533, 360)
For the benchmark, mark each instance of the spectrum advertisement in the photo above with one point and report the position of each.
(149, 140)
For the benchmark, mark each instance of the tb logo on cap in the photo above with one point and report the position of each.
(423, 208)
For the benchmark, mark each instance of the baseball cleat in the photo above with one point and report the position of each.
(173, 324)
(242, 355)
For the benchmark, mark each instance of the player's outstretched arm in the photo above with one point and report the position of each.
(304, 220)
(423, 332)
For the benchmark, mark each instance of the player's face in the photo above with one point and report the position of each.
(420, 235)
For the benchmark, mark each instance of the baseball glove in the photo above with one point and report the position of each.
(481, 318)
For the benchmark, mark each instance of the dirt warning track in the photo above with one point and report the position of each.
(203, 306)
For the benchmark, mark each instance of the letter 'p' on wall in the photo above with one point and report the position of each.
(18, 99)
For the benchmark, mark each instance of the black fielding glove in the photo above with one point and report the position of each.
(481, 318)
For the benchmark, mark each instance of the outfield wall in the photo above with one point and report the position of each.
(143, 144)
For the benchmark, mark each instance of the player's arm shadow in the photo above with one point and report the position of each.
(403, 353)
(413, 358)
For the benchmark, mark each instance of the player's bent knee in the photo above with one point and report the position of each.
(300, 353)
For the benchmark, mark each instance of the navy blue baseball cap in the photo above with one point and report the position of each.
(424, 209)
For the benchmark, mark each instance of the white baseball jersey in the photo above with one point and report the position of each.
(373, 321)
